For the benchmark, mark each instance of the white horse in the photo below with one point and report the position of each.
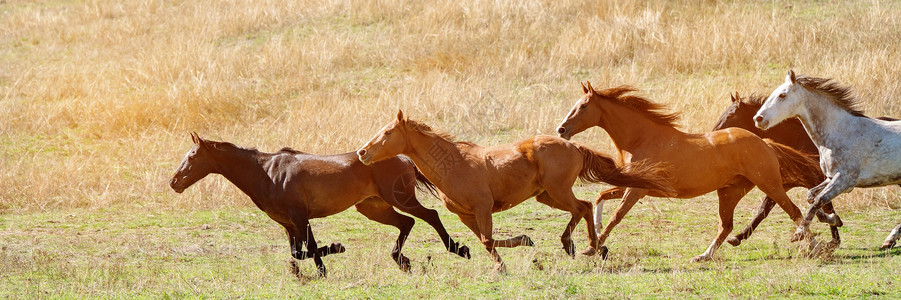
(855, 150)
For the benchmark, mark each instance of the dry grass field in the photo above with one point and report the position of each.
(97, 99)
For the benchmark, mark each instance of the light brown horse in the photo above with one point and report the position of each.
(730, 161)
(292, 187)
(474, 181)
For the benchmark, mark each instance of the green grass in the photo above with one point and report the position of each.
(228, 252)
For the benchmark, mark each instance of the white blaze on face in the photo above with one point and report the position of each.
(571, 112)
(378, 134)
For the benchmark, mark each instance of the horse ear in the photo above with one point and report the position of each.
(791, 76)
(734, 97)
(400, 116)
(584, 89)
(590, 89)
(194, 137)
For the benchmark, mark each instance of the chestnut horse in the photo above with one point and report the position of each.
(790, 133)
(292, 187)
(730, 161)
(474, 182)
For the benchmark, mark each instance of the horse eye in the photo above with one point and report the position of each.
(782, 95)
(388, 132)
(584, 105)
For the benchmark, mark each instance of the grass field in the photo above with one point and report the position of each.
(97, 99)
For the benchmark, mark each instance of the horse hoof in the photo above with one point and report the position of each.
(801, 234)
(590, 252)
(570, 249)
(604, 252)
(500, 269)
(734, 241)
(887, 245)
(404, 263)
(336, 248)
(463, 252)
(527, 241)
(292, 265)
(699, 258)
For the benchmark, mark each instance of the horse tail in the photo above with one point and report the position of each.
(797, 168)
(598, 167)
(422, 183)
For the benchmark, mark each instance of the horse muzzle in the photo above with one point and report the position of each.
(364, 156)
(563, 133)
(174, 184)
(761, 123)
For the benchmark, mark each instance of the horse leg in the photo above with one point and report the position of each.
(891, 238)
(611, 193)
(827, 215)
(297, 243)
(579, 210)
(413, 207)
(302, 223)
(630, 197)
(728, 199)
(835, 186)
(765, 207)
(480, 224)
(380, 211)
(292, 241)
(830, 217)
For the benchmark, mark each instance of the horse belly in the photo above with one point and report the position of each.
(329, 198)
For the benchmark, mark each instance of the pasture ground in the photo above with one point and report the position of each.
(116, 252)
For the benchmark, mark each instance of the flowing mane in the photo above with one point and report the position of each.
(656, 112)
(427, 130)
(754, 99)
(840, 95)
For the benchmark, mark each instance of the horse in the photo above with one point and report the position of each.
(292, 187)
(790, 133)
(855, 150)
(474, 181)
(731, 161)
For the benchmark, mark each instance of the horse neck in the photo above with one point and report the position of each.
(630, 129)
(244, 169)
(433, 155)
(822, 119)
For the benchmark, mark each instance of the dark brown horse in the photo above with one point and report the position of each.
(790, 133)
(293, 187)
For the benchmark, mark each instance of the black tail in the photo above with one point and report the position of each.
(422, 183)
(598, 167)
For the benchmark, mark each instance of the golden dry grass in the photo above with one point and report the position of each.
(97, 97)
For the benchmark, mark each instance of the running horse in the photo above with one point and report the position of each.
(790, 133)
(475, 182)
(731, 161)
(855, 150)
(292, 187)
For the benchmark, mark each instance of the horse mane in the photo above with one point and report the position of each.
(427, 130)
(290, 151)
(222, 145)
(754, 99)
(655, 111)
(840, 95)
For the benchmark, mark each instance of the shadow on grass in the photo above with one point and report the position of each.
(872, 253)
